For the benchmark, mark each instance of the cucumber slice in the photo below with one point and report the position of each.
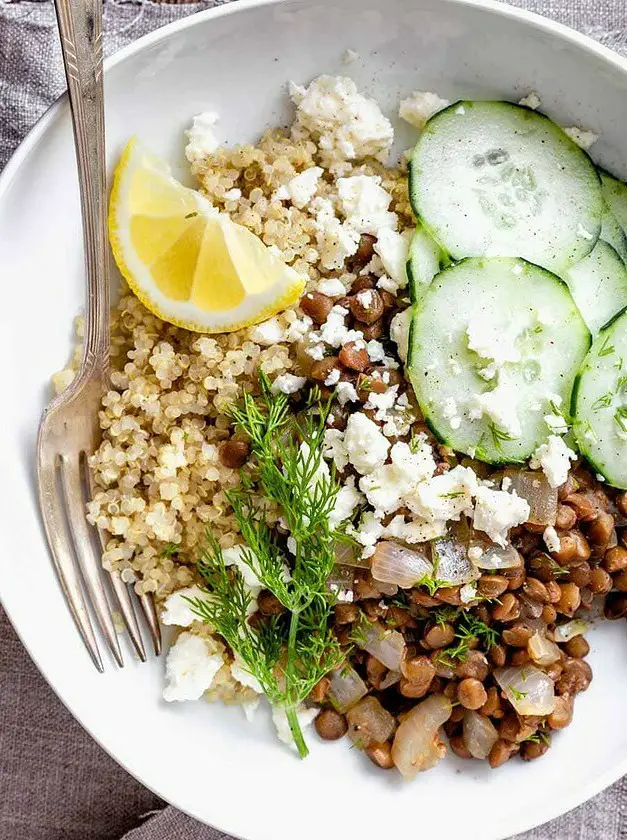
(425, 259)
(615, 194)
(599, 285)
(613, 234)
(496, 179)
(493, 344)
(599, 404)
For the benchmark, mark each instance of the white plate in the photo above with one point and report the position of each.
(236, 60)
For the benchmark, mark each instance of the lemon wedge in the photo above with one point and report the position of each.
(187, 262)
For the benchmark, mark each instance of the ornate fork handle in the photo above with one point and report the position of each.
(80, 25)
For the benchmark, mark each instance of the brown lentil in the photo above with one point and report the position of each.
(321, 368)
(354, 357)
(365, 250)
(471, 693)
(375, 671)
(600, 529)
(615, 560)
(500, 753)
(381, 755)
(459, 747)
(330, 725)
(570, 598)
(234, 453)
(517, 636)
(562, 714)
(367, 306)
(577, 647)
(615, 606)
(575, 677)
(475, 665)
(492, 586)
(600, 581)
(268, 603)
(566, 518)
(439, 636)
(508, 609)
(317, 306)
(345, 613)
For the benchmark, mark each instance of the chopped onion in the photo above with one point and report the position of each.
(348, 554)
(568, 631)
(542, 650)
(529, 690)
(530, 608)
(480, 734)
(487, 555)
(369, 723)
(390, 679)
(395, 563)
(535, 488)
(388, 646)
(346, 688)
(451, 563)
(417, 745)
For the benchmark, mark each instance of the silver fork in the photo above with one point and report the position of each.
(69, 429)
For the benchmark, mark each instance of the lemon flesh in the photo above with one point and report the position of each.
(188, 263)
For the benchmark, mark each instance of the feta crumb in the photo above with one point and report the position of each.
(234, 556)
(468, 592)
(445, 496)
(316, 351)
(201, 141)
(267, 333)
(531, 100)
(556, 423)
(414, 531)
(287, 383)
(241, 673)
(332, 287)
(376, 351)
(554, 458)
(333, 378)
(506, 483)
(496, 511)
(334, 448)
(387, 485)
(347, 124)
(345, 392)
(334, 331)
(475, 553)
(551, 539)
(399, 332)
(190, 666)
(364, 203)
(393, 249)
(368, 534)
(298, 329)
(584, 139)
(366, 446)
(500, 405)
(305, 718)
(302, 187)
(347, 501)
(493, 340)
(176, 608)
(419, 106)
(449, 411)
(335, 241)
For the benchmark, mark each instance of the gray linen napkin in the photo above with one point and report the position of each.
(55, 782)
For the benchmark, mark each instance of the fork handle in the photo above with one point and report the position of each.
(80, 26)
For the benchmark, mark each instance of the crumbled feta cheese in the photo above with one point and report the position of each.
(335, 241)
(347, 501)
(388, 484)
(500, 405)
(382, 403)
(415, 531)
(334, 331)
(445, 496)
(333, 378)
(449, 411)
(235, 557)
(556, 423)
(551, 539)
(366, 446)
(298, 329)
(368, 533)
(287, 383)
(584, 139)
(305, 718)
(346, 392)
(419, 106)
(241, 673)
(332, 287)
(316, 351)
(201, 141)
(506, 483)
(554, 458)
(334, 448)
(346, 123)
(531, 100)
(301, 188)
(176, 608)
(468, 592)
(399, 332)
(475, 553)
(364, 203)
(233, 195)
(267, 333)
(393, 249)
(496, 511)
(191, 664)
(376, 351)
(494, 340)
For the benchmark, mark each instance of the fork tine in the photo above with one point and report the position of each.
(121, 589)
(147, 604)
(90, 567)
(65, 565)
(128, 613)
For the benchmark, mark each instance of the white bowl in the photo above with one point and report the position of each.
(236, 60)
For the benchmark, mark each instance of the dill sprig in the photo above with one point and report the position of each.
(468, 628)
(291, 653)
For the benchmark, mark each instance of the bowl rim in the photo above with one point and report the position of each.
(56, 111)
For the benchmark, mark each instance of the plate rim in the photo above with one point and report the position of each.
(59, 109)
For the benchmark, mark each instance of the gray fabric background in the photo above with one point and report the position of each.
(55, 782)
